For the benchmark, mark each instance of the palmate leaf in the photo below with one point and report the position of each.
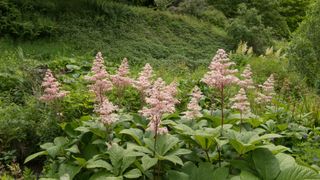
(245, 175)
(221, 173)
(297, 172)
(240, 147)
(179, 152)
(255, 139)
(275, 149)
(69, 169)
(92, 164)
(136, 134)
(174, 175)
(133, 173)
(205, 171)
(172, 158)
(142, 149)
(148, 162)
(166, 143)
(126, 162)
(266, 164)
(104, 175)
(286, 161)
(116, 154)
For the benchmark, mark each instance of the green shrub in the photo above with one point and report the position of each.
(304, 50)
(248, 27)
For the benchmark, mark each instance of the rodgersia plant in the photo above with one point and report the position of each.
(247, 82)
(240, 103)
(52, 92)
(267, 91)
(51, 88)
(194, 109)
(100, 79)
(144, 81)
(106, 112)
(221, 76)
(160, 99)
(121, 78)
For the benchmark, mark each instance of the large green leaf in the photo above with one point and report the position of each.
(165, 143)
(104, 175)
(32, 156)
(180, 151)
(240, 147)
(53, 151)
(245, 175)
(60, 141)
(148, 162)
(136, 134)
(46, 146)
(221, 173)
(266, 164)
(139, 148)
(73, 149)
(298, 173)
(99, 164)
(242, 165)
(286, 161)
(176, 175)
(134, 173)
(172, 158)
(255, 139)
(275, 149)
(116, 154)
(69, 169)
(126, 162)
(205, 171)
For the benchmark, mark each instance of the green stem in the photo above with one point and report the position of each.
(219, 156)
(222, 109)
(206, 151)
(240, 120)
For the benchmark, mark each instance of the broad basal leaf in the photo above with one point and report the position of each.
(148, 162)
(99, 164)
(266, 164)
(134, 173)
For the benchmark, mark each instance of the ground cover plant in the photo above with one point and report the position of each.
(125, 89)
(226, 138)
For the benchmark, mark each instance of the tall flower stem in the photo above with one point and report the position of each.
(219, 155)
(222, 109)
(206, 151)
(156, 168)
(240, 120)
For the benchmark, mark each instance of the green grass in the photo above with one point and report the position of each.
(138, 33)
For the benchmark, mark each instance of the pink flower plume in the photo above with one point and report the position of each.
(160, 99)
(121, 79)
(240, 102)
(194, 110)
(51, 88)
(220, 74)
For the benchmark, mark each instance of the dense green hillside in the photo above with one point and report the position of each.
(139, 33)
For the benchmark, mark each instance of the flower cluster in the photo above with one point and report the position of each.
(160, 99)
(220, 75)
(143, 82)
(193, 106)
(247, 82)
(121, 79)
(240, 102)
(106, 112)
(51, 88)
(267, 91)
(100, 79)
